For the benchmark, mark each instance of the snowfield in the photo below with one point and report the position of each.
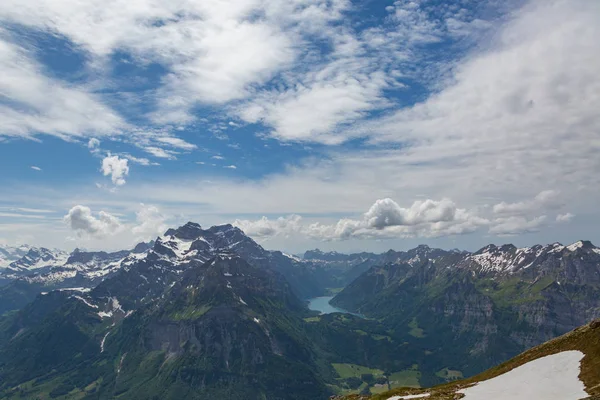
(410, 396)
(554, 377)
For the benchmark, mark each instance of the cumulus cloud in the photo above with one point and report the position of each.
(116, 167)
(149, 222)
(81, 220)
(36, 168)
(386, 212)
(384, 219)
(102, 228)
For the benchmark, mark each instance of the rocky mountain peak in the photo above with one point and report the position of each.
(581, 244)
(189, 231)
(508, 247)
(317, 254)
(142, 247)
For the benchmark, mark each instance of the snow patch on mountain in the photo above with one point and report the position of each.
(409, 396)
(510, 259)
(87, 303)
(554, 377)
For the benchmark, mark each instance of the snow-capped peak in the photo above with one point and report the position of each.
(38, 258)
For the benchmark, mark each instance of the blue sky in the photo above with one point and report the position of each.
(347, 125)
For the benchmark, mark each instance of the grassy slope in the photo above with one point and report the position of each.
(585, 339)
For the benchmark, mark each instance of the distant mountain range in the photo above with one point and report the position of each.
(491, 304)
(209, 313)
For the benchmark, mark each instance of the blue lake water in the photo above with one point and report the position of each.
(322, 305)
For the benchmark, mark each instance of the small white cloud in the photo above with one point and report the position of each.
(81, 220)
(264, 227)
(200, 162)
(36, 168)
(176, 142)
(564, 217)
(116, 167)
(230, 167)
(161, 153)
(93, 144)
(218, 157)
(386, 212)
(141, 161)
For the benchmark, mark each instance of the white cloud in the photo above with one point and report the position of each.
(515, 117)
(116, 167)
(385, 219)
(386, 212)
(138, 160)
(18, 215)
(42, 105)
(543, 200)
(81, 220)
(519, 112)
(564, 217)
(517, 225)
(31, 210)
(215, 52)
(104, 230)
(264, 227)
(149, 222)
(36, 168)
(218, 157)
(93, 144)
(161, 153)
(230, 166)
(177, 143)
(313, 112)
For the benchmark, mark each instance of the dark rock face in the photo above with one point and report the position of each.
(142, 247)
(89, 256)
(189, 231)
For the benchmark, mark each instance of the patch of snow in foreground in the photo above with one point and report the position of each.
(554, 377)
(410, 396)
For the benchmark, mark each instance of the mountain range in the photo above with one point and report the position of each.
(209, 313)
